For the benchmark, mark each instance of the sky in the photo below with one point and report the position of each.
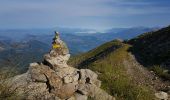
(93, 14)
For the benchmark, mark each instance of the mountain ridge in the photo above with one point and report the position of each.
(128, 63)
(115, 63)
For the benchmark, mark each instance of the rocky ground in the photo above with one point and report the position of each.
(53, 79)
(142, 76)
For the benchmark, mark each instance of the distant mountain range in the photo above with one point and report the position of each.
(18, 46)
(79, 40)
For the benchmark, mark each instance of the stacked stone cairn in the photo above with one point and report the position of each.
(54, 79)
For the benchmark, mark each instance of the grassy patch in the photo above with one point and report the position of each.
(113, 74)
(5, 92)
(153, 49)
(160, 71)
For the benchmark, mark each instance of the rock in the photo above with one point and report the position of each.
(161, 95)
(34, 64)
(65, 71)
(37, 90)
(55, 82)
(36, 73)
(53, 79)
(19, 82)
(80, 97)
(88, 76)
(94, 92)
(76, 77)
(68, 79)
(72, 98)
(64, 47)
(83, 89)
(59, 61)
(66, 91)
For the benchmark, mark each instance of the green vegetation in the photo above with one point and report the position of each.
(102, 50)
(160, 71)
(153, 49)
(5, 92)
(107, 61)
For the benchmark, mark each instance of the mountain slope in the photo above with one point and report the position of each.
(152, 49)
(122, 65)
(108, 61)
(19, 55)
(154, 45)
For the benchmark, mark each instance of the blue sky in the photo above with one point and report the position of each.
(97, 14)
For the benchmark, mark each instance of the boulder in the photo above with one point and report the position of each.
(54, 82)
(88, 76)
(65, 71)
(55, 62)
(66, 91)
(36, 73)
(161, 95)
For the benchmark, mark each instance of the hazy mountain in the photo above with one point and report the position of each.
(125, 65)
(153, 47)
(19, 55)
(122, 33)
(31, 44)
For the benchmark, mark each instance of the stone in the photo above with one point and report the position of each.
(66, 91)
(34, 64)
(94, 92)
(36, 89)
(80, 97)
(65, 71)
(37, 74)
(88, 76)
(55, 82)
(58, 61)
(83, 89)
(19, 82)
(72, 98)
(76, 77)
(63, 46)
(68, 79)
(54, 79)
(161, 95)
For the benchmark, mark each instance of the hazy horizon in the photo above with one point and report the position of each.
(90, 14)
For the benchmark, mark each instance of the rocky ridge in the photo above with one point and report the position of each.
(54, 79)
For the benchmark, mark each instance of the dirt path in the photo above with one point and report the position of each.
(142, 76)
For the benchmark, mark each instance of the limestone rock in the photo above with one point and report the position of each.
(94, 92)
(59, 61)
(36, 73)
(53, 79)
(68, 79)
(161, 95)
(55, 82)
(62, 72)
(88, 76)
(80, 97)
(76, 77)
(66, 91)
